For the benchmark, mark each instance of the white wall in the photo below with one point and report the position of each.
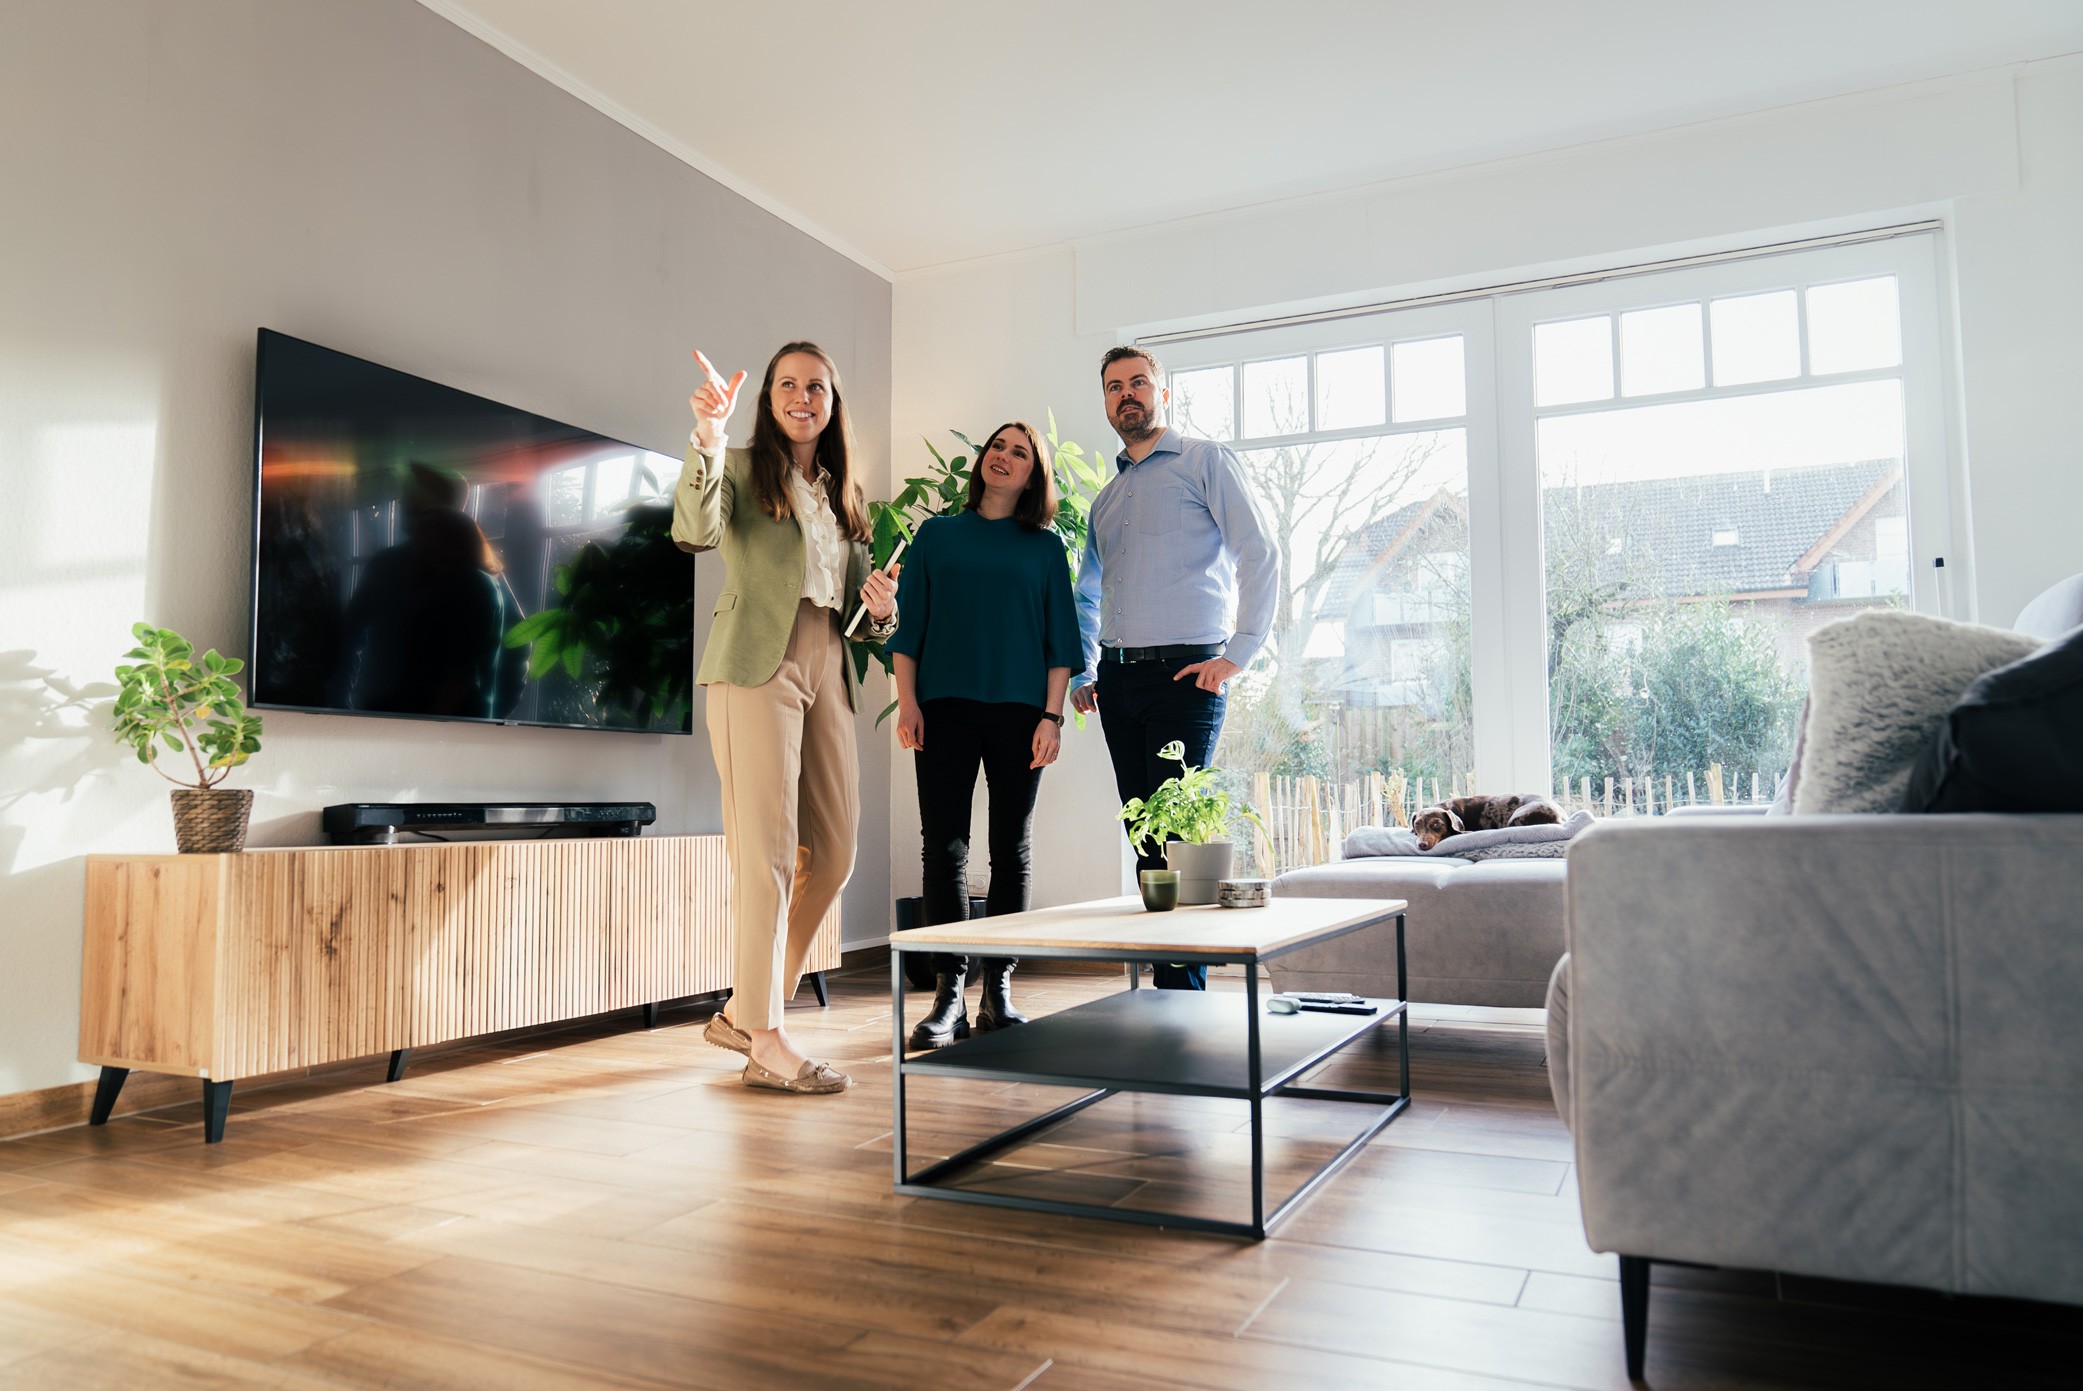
(368, 176)
(2018, 265)
(1999, 156)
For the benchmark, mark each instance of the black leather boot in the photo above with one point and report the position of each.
(948, 1020)
(995, 1010)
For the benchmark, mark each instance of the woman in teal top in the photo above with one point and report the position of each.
(987, 637)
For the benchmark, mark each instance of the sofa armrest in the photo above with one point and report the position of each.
(1847, 1046)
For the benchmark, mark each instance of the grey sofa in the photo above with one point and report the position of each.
(1838, 1046)
(1477, 933)
(1843, 1046)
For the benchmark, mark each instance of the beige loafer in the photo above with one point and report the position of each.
(725, 1034)
(815, 1079)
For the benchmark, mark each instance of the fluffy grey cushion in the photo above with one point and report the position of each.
(1879, 685)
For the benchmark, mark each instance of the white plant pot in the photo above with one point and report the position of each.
(1201, 868)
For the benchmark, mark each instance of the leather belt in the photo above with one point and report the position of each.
(1182, 652)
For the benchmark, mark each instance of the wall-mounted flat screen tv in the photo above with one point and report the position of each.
(422, 552)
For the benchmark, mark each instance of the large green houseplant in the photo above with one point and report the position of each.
(169, 699)
(1190, 815)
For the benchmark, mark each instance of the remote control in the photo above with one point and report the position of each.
(1325, 997)
(1356, 1007)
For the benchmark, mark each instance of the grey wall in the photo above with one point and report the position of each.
(363, 174)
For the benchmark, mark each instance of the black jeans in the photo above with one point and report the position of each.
(1142, 709)
(960, 735)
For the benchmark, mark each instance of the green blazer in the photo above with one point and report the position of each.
(717, 509)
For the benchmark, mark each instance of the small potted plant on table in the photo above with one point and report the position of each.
(1194, 816)
(170, 697)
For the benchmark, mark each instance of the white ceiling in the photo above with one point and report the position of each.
(912, 133)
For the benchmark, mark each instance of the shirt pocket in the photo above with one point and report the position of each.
(1160, 505)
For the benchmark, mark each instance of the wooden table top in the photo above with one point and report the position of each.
(1123, 924)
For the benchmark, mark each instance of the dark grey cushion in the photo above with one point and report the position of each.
(2013, 743)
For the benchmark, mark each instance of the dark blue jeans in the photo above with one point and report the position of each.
(1142, 709)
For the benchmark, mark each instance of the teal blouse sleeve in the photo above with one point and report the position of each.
(1062, 642)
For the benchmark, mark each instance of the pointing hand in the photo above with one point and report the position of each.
(713, 402)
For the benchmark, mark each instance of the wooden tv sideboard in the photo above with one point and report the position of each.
(225, 967)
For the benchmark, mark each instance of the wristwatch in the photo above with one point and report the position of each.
(1052, 715)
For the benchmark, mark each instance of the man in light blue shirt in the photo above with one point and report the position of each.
(1176, 594)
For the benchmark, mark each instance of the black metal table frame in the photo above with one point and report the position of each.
(926, 1182)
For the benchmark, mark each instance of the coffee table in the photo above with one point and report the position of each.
(1176, 1042)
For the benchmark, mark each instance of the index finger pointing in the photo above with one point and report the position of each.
(711, 372)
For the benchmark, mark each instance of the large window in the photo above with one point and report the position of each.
(1572, 540)
(1356, 438)
(1719, 477)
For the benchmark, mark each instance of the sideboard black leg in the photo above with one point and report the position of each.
(106, 1090)
(401, 1058)
(216, 1106)
(817, 983)
(651, 1015)
(1634, 1311)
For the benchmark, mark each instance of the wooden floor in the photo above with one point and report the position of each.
(610, 1208)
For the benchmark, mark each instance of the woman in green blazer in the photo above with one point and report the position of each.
(791, 520)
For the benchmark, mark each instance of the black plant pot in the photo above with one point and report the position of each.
(918, 966)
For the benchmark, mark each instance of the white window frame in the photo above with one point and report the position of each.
(1471, 320)
(1507, 566)
(1927, 466)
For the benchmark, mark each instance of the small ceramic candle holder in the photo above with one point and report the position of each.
(1242, 893)
(1160, 889)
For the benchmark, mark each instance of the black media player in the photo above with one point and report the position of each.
(381, 823)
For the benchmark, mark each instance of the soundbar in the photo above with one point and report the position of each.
(381, 823)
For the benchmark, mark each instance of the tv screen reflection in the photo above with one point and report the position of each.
(423, 552)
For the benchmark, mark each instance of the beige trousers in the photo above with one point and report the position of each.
(791, 810)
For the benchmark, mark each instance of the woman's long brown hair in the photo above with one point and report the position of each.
(772, 456)
(1038, 502)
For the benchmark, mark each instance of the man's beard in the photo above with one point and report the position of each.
(1149, 427)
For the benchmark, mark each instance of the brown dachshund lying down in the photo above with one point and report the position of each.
(1451, 818)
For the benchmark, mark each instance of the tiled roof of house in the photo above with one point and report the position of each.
(1381, 541)
(1720, 533)
(1765, 521)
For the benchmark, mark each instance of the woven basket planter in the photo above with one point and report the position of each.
(211, 821)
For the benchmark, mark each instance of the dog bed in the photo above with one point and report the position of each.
(1540, 842)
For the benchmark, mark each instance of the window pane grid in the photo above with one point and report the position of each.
(1717, 478)
(1582, 362)
(1780, 382)
(1354, 390)
(1366, 486)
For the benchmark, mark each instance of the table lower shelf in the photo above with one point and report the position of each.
(1182, 1042)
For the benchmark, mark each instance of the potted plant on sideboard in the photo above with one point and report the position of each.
(1194, 815)
(172, 698)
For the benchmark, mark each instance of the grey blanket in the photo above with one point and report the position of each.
(1510, 843)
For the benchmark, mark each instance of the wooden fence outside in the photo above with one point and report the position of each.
(1307, 818)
